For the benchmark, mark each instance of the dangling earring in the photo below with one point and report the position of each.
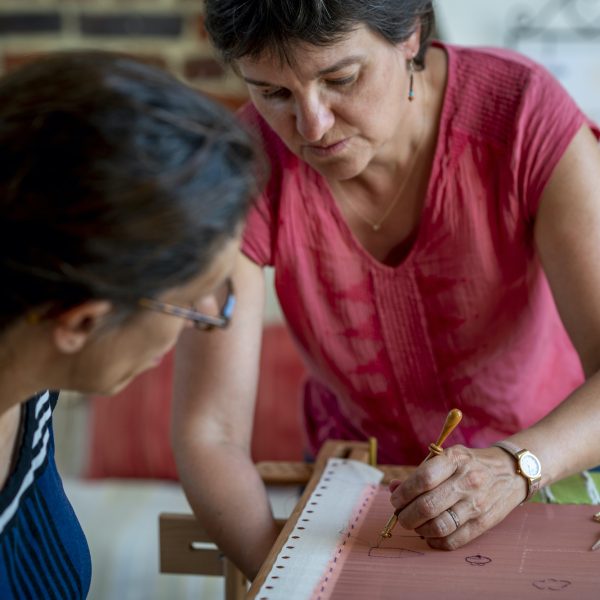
(411, 84)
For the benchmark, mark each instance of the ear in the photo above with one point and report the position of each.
(73, 328)
(410, 46)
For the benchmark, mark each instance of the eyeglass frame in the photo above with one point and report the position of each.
(202, 321)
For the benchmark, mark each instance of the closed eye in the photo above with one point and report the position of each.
(275, 93)
(282, 93)
(343, 81)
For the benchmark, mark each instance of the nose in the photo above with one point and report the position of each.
(314, 118)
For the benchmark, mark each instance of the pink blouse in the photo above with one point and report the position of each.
(467, 319)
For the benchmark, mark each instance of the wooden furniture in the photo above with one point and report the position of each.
(186, 548)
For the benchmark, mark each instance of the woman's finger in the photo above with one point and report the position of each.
(425, 478)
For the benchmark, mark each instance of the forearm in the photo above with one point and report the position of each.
(228, 497)
(567, 439)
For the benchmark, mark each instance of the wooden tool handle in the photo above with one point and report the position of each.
(452, 420)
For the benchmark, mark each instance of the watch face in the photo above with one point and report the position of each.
(530, 465)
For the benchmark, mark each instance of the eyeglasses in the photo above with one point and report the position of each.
(201, 321)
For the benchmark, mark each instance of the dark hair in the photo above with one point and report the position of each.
(240, 28)
(117, 181)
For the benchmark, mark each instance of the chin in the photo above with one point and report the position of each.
(116, 388)
(131, 376)
(340, 170)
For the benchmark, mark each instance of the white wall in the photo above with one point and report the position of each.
(484, 22)
(573, 59)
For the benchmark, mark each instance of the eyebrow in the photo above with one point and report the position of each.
(345, 62)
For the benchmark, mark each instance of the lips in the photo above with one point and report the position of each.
(327, 146)
(329, 149)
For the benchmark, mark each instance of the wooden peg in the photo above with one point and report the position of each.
(373, 451)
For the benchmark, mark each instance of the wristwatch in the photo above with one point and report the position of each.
(528, 465)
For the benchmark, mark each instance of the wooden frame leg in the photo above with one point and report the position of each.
(236, 585)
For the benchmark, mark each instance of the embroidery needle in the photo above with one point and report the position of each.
(452, 420)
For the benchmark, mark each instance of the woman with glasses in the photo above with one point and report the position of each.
(122, 194)
(433, 220)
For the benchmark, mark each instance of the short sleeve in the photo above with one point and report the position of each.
(548, 121)
(260, 234)
(257, 240)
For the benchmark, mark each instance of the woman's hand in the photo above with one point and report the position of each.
(456, 496)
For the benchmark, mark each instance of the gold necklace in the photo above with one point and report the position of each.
(376, 225)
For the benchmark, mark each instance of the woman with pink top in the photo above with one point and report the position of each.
(433, 218)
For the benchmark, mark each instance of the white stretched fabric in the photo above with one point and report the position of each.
(297, 571)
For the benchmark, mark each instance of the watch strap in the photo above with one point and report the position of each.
(509, 447)
(533, 483)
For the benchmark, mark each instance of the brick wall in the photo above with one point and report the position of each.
(165, 32)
